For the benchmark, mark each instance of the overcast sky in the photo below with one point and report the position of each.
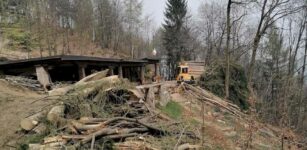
(155, 8)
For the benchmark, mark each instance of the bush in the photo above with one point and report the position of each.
(213, 79)
(173, 109)
(19, 39)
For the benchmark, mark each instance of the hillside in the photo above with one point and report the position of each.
(12, 46)
(250, 91)
(222, 129)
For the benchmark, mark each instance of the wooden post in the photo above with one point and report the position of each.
(111, 70)
(81, 70)
(43, 76)
(143, 75)
(120, 71)
(156, 69)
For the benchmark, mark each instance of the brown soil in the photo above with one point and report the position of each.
(15, 104)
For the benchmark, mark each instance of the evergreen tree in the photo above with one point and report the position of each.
(174, 33)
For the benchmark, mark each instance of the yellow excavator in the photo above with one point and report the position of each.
(183, 74)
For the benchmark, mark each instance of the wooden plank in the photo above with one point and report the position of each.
(43, 77)
(81, 71)
(111, 68)
(143, 75)
(120, 71)
(147, 86)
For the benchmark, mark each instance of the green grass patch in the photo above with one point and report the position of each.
(173, 109)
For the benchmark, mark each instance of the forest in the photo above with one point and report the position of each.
(255, 51)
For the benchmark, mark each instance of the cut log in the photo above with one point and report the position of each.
(40, 128)
(56, 114)
(32, 121)
(89, 86)
(60, 91)
(93, 77)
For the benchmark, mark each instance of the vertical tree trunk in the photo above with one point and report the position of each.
(227, 51)
(255, 46)
(297, 46)
(301, 102)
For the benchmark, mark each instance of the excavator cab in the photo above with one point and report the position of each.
(182, 74)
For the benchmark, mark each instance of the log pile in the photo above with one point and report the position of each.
(92, 112)
(210, 99)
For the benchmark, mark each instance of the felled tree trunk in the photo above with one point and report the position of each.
(56, 114)
(32, 121)
(93, 77)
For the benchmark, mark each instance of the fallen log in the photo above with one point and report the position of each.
(56, 114)
(32, 121)
(60, 91)
(93, 77)
(88, 86)
(110, 131)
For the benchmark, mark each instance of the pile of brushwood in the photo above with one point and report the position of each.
(213, 79)
(99, 114)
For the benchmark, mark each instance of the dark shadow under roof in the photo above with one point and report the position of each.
(59, 58)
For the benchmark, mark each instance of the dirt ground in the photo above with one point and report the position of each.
(16, 103)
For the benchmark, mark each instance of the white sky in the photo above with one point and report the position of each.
(155, 8)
